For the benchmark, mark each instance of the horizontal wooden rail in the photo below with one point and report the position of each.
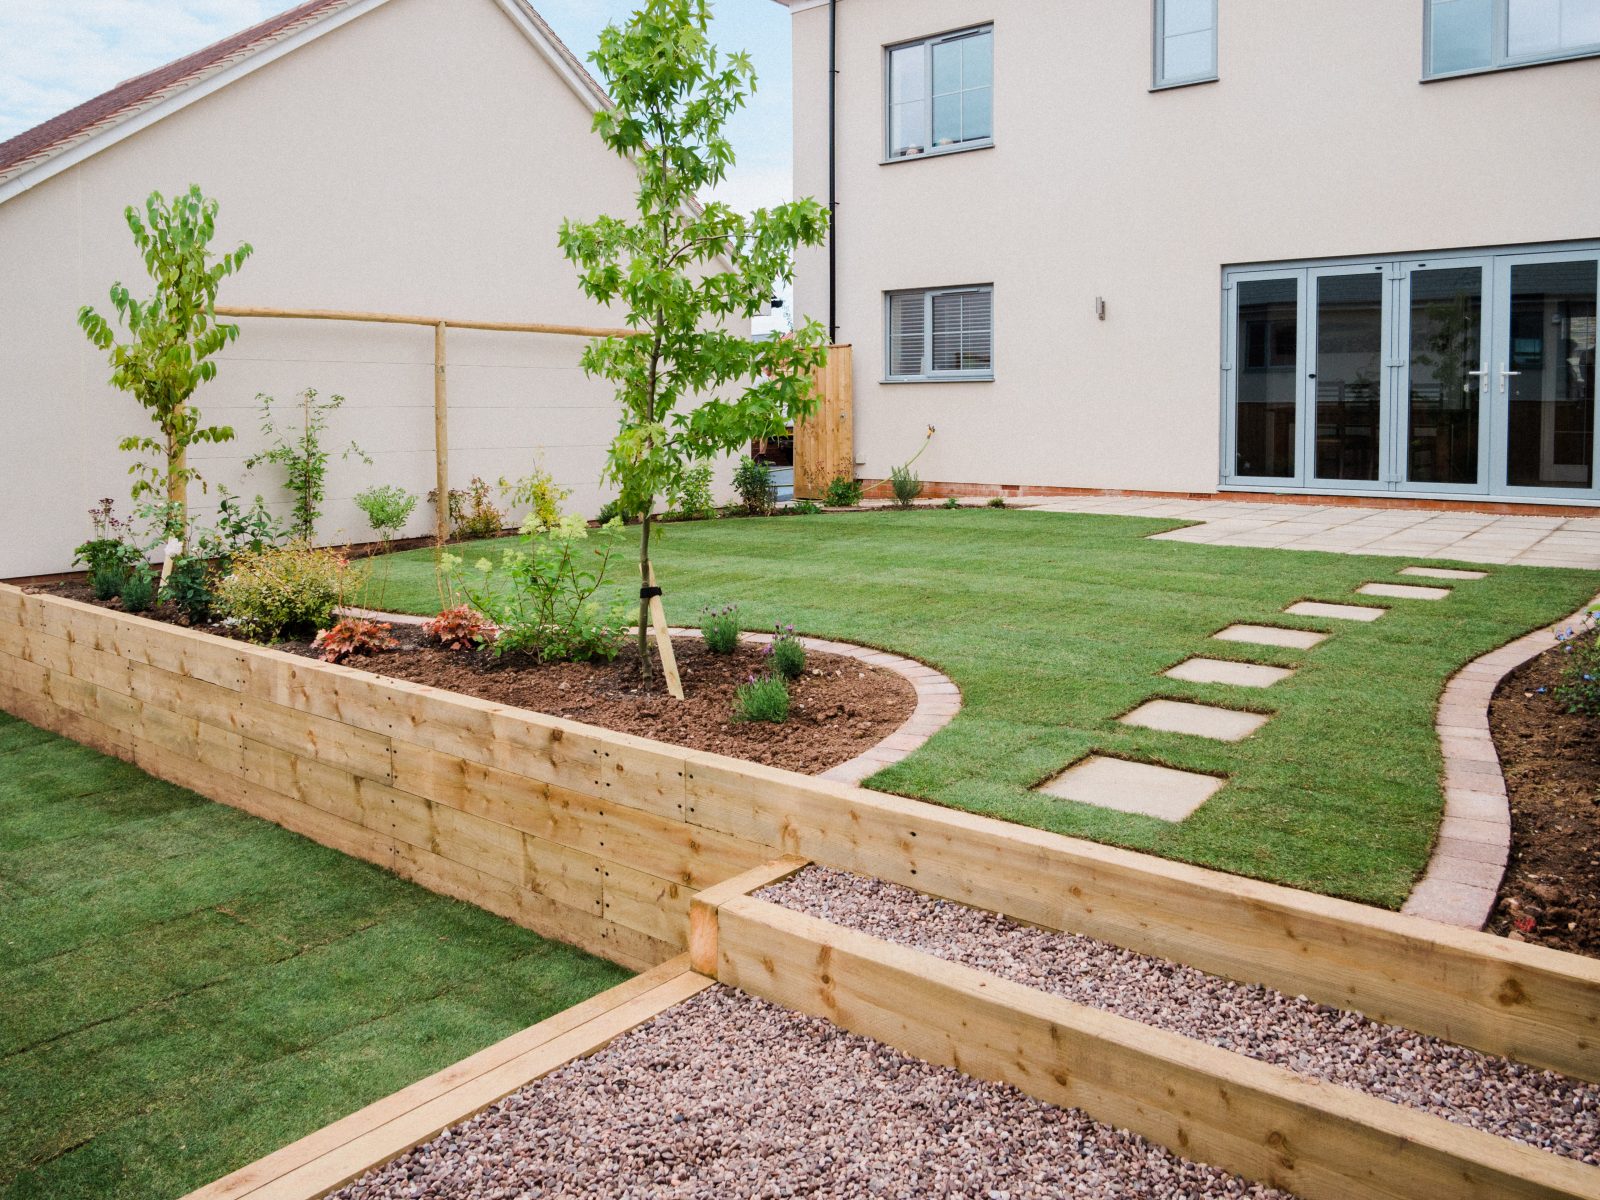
(373, 318)
(1314, 1139)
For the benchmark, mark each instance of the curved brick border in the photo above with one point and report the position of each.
(938, 698)
(1469, 859)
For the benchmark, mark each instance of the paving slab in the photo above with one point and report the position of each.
(1272, 635)
(1404, 591)
(1197, 720)
(1234, 674)
(1443, 573)
(1336, 612)
(1130, 787)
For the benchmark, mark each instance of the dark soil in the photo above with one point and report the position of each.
(1551, 760)
(839, 708)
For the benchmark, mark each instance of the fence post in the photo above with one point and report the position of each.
(441, 434)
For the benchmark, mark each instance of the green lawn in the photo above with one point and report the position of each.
(184, 988)
(1055, 625)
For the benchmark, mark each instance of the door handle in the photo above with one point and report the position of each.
(1505, 375)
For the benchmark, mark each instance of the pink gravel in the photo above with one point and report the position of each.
(728, 1097)
(1497, 1095)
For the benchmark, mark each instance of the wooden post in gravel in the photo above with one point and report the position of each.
(441, 435)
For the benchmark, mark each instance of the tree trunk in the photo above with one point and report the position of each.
(644, 604)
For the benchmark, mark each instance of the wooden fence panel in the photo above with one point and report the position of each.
(825, 442)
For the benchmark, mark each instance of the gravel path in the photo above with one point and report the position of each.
(727, 1096)
(1495, 1094)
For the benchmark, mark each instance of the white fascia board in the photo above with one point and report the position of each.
(187, 94)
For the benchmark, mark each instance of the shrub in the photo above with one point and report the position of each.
(388, 508)
(787, 654)
(538, 494)
(805, 508)
(612, 510)
(720, 627)
(290, 590)
(905, 485)
(764, 698)
(355, 635)
(460, 628)
(540, 595)
(842, 493)
(472, 514)
(693, 499)
(753, 481)
(1579, 689)
(997, 502)
(301, 456)
(138, 589)
(188, 588)
(238, 529)
(951, 502)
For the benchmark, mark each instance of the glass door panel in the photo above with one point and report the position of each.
(1266, 373)
(1547, 372)
(1346, 384)
(1446, 379)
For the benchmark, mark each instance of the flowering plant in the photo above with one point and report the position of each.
(461, 628)
(787, 655)
(354, 635)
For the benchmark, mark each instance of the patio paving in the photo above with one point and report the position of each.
(1271, 635)
(1234, 674)
(1130, 787)
(1196, 720)
(1340, 529)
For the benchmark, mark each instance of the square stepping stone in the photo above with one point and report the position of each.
(1404, 591)
(1271, 635)
(1235, 674)
(1443, 573)
(1141, 788)
(1335, 612)
(1197, 720)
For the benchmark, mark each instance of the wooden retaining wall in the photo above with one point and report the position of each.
(603, 840)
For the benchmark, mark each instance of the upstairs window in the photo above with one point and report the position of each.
(941, 333)
(941, 94)
(1186, 42)
(1487, 35)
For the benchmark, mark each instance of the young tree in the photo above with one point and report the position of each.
(171, 339)
(681, 272)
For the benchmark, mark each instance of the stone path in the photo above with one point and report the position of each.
(1405, 532)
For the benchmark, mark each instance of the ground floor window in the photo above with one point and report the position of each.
(1470, 372)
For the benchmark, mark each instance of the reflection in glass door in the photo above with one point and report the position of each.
(1266, 358)
(1346, 380)
(1547, 374)
(1447, 376)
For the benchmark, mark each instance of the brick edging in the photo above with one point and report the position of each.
(938, 698)
(1474, 844)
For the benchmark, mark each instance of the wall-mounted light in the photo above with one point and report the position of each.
(1100, 307)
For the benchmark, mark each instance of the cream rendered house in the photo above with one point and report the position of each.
(400, 156)
(1307, 247)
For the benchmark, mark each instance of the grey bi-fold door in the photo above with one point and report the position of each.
(1457, 374)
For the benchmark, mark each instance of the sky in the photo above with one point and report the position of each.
(55, 54)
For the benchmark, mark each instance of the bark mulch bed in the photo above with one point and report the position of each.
(839, 708)
(1551, 761)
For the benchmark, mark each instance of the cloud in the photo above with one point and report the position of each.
(59, 53)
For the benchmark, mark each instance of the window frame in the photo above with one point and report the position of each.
(927, 44)
(1158, 46)
(1500, 57)
(928, 373)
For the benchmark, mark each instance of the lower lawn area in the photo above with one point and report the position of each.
(184, 988)
(1055, 625)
